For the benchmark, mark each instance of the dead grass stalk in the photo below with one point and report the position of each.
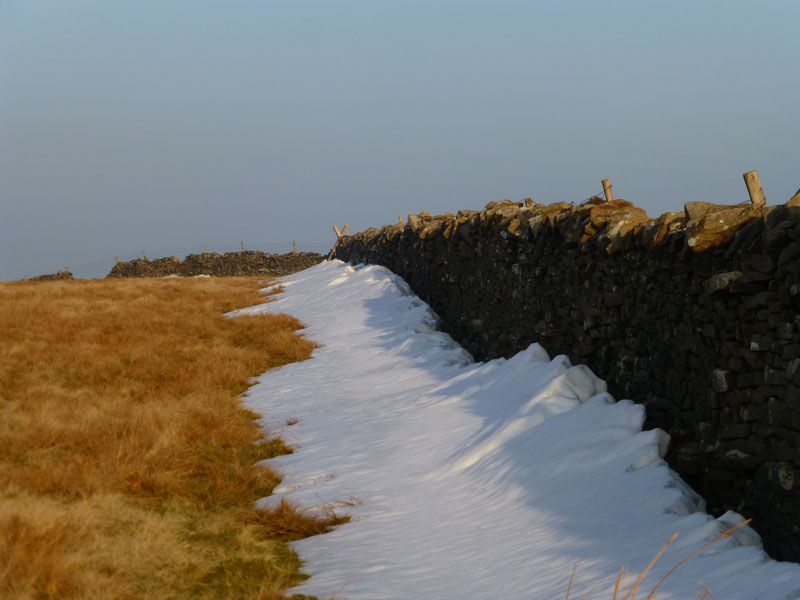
(620, 584)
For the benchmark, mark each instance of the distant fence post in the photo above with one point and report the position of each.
(116, 260)
(242, 243)
(294, 246)
(607, 191)
(205, 249)
(753, 184)
(144, 255)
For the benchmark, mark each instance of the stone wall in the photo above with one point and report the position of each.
(251, 262)
(694, 314)
(65, 274)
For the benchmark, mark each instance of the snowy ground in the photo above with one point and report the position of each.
(477, 480)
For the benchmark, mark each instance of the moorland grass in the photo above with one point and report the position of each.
(127, 462)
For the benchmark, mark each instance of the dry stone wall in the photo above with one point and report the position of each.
(251, 262)
(59, 275)
(694, 314)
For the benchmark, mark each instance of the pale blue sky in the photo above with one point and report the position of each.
(167, 125)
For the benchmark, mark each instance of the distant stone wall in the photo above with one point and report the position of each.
(695, 314)
(65, 274)
(251, 262)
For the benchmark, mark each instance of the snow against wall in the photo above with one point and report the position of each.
(476, 480)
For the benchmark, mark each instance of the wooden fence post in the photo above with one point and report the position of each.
(339, 235)
(205, 249)
(753, 184)
(242, 243)
(116, 260)
(607, 191)
(294, 247)
(145, 255)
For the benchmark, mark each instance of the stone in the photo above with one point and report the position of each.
(786, 476)
(784, 331)
(714, 228)
(789, 253)
(721, 281)
(552, 212)
(518, 227)
(414, 222)
(759, 300)
(430, 228)
(465, 228)
(696, 210)
(777, 233)
(750, 277)
(735, 431)
(721, 380)
(793, 371)
(664, 225)
(614, 299)
(760, 263)
(774, 376)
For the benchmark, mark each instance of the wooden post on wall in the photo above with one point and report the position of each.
(242, 243)
(339, 236)
(607, 191)
(144, 255)
(294, 246)
(753, 184)
(205, 249)
(116, 260)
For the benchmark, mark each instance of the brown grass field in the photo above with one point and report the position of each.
(127, 463)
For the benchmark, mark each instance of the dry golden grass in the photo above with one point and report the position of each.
(623, 592)
(126, 460)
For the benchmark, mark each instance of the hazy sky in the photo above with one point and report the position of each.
(168, 125)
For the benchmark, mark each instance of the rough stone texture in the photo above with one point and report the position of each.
(713, 223)
(251, 262)
(706, 335)
(53, 276)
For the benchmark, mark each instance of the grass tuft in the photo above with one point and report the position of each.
(285, 521)
(621, 589)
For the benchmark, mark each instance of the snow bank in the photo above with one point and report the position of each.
(476, 480)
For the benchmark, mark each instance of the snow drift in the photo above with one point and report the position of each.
(476, 480)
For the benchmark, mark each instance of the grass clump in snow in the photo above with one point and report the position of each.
(127, 463)
(623, 592)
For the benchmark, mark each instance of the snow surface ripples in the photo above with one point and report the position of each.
(476, 480)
